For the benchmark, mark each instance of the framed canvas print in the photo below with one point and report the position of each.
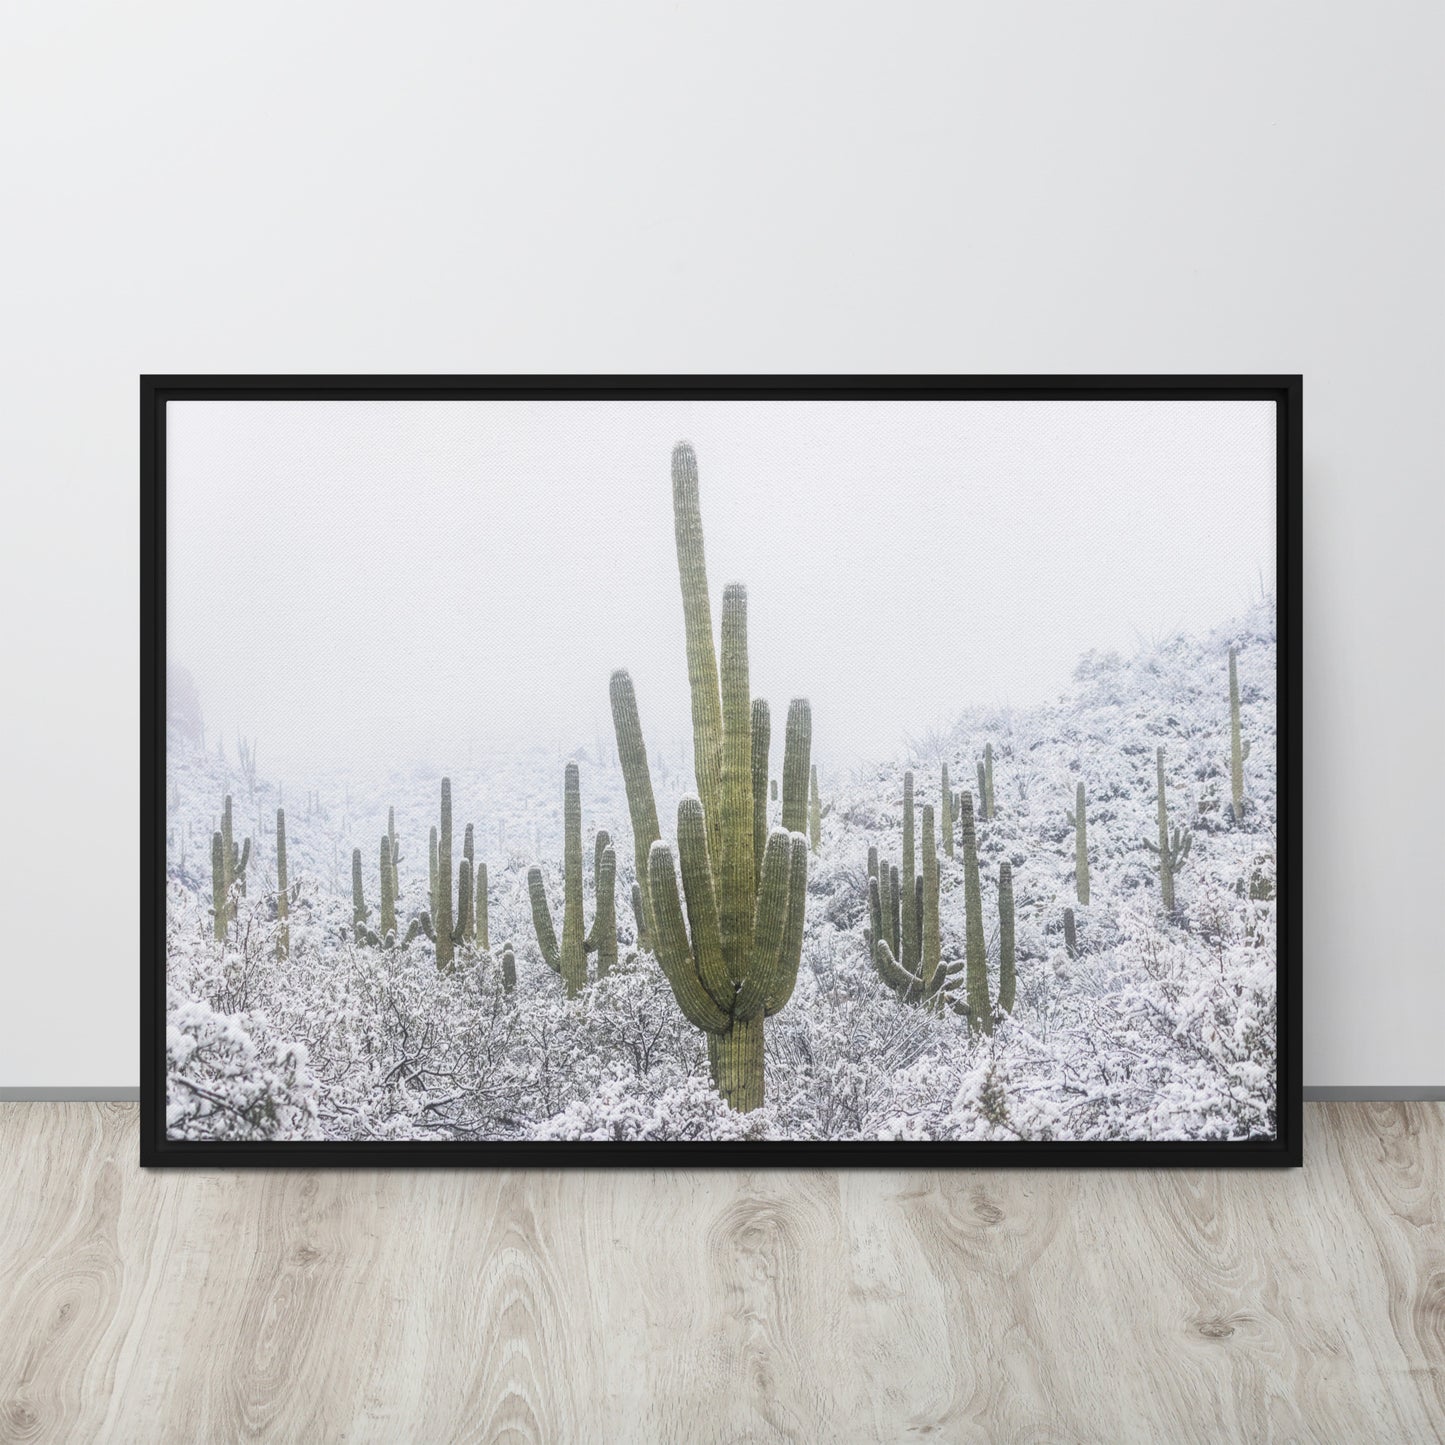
(734, 770)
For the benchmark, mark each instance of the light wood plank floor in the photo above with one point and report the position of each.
(816, 1306)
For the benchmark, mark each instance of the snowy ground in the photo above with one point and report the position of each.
(1157, 1030)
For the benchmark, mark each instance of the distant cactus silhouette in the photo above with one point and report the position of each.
(1080, 826)
(1173, 845)
(1238, 747)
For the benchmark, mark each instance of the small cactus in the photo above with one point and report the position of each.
(1173, 845)
(283, 900)
(926, 982)
(358, 899)
(509, 968)
(1071, 936)
(1238, 748)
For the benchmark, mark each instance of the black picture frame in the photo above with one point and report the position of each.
(1285, 1150)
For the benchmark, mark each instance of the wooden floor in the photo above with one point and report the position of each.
(815, 1307)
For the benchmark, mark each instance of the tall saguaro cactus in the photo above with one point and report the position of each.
(980, 1014)
(395, 852)
(387, 925)
(1081, 845)
(358, 899)
(220, 898)
(283, 889)
(1173, 845)
(948, 805)
(1238, 747)
(442, 916)
(815, 810)
(926, 980)
(733, 961)
(480, 908)
(234, 860)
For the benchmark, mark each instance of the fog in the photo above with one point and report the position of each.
(394, 583)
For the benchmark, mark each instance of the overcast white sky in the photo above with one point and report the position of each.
(399, 581)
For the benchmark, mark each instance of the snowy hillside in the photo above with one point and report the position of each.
(1154, 1027)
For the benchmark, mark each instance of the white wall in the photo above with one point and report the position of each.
(813, 187)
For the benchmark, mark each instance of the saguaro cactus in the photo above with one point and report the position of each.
(220, 897)
(948, 808)
(358, 899)
(980, 1014)
(927, 980)
(509, 968)
(639, 915)
(395, 850)
(1238, 748)
(739, 962)
(570, 960)
(1173, 845)
(432, 877)
(442, 915)
(1081, 845)
(1007, 953)
(1071, 935)
(641, 804)
(912, 934)
(387, 925)
(234, 860)
(761, 742)
(987, 799)
(815, 810)
(283, 890)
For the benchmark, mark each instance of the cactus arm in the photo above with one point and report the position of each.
(797, 746)
(358, 899)
(641, 805)
(815, 810)
(770, 924)
(761, 740)
(464, 901)
(702, 666)
(702, 908)
(542, 921)
(791, 956)
(898, 978)
(672, 948)
(946, 798)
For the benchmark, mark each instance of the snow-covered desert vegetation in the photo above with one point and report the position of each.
(1043, 923)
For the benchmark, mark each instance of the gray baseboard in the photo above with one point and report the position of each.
(67, 1095)
(1313, 1093)
(1370, 1093)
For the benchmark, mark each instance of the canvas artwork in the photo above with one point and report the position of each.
(604, 772)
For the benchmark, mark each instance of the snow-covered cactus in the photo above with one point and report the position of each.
(815, 810)
(395, 850)
(982, 813)
(1007, 951)
(604, 921)
(1173, 845)
(947, 800)
(442, 919)
(465, 926)
(639, 915)
(461, 934)
(283, 898)
(1238, 748)
(927, 981)
(509, 968)
(980, 1014)
(1071, 935)
(987, 799)
(1079, 824)
(432, 879)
